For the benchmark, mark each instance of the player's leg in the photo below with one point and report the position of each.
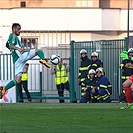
(32, 53)
(11, 84)
(128, 92)
(43, 61)
(19, 66)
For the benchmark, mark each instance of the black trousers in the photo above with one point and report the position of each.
(61, 88)
(23, 84)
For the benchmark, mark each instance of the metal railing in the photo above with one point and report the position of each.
(109, 52)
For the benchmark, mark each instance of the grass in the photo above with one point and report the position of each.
(65, 118)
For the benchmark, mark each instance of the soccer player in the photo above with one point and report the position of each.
(127, 86)
(20, 56)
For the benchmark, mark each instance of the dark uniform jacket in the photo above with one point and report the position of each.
(96, 64)
(84, 67)
(127, 71)
(104, 83)
(88, 82)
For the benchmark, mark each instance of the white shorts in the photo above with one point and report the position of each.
(20, 63)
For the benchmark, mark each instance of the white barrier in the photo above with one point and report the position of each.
(10, 95)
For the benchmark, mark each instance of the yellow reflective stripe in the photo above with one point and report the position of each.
(92, 87)
(109, 85)
(79, 74)
(82, 88)
(82, 79)
(94, 65)
(125, 77)
(98, 88)
(84, 68)
(121, 66)
(82, 94)
(107, 91)
(87, 86)
(88, 76)
(103, 86)
(83, 84)
(99, 97)
(129, 67)
(95, 96)
(105, 97)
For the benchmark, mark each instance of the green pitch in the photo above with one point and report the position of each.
(65, 118)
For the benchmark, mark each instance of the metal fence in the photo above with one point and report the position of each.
(41, 83)
(109, 52)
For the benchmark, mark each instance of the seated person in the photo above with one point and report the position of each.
(104, 89)
(89, 83)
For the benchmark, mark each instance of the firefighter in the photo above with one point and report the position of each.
(104, 89)
(83, 69)
(89, 83)
(95, 61)
(127, 69)
(127, 66)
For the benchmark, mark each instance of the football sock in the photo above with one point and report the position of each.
(128, 93)
(10, 84)
(40, 54)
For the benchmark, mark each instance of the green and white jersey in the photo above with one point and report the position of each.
(14, 40)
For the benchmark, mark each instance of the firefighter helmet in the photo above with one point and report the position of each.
(130, 50)
(94, 54)
(92, 71)
(99, 70)
(83, 51)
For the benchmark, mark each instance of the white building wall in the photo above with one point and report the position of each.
(60, 26)
(67, 19)
(111, 19)
(123, 20)
(58, 19)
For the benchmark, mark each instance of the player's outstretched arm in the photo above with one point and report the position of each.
(16, 48)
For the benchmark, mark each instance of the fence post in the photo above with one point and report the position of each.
(72, 72)
(41, 83)
(127, 43)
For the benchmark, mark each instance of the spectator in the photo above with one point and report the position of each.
(104, 89)
(127, 70)
(95, 61)
(61, 79)
(89, 83)
(83, 69)
(24, 83)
